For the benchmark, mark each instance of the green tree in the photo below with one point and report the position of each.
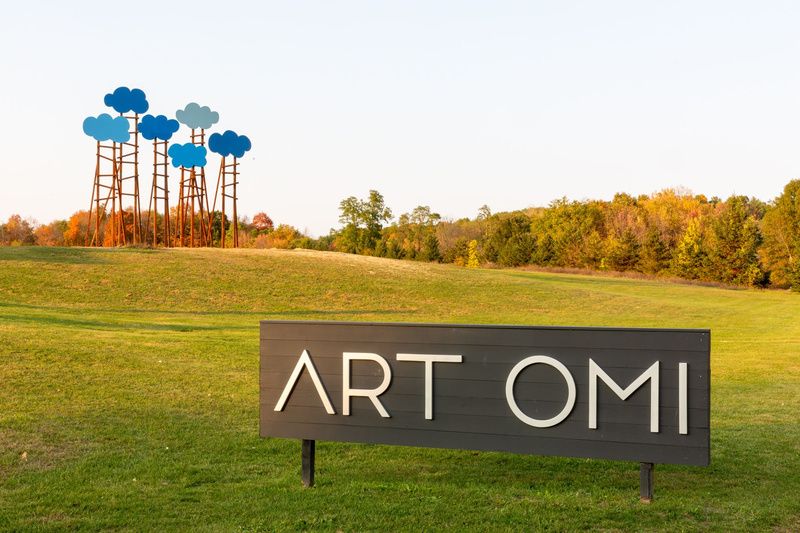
(216, 227)
(654, 255)
(363, 221)
(457, 253)
(781, 228)
(430, 249)
(733, 247)
(508, 240)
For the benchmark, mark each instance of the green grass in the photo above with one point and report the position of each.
(129, 381)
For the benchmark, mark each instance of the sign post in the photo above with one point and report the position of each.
(308, 462)
(613, 393)
(646, 482)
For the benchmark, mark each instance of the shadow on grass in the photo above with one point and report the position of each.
(50, 254)
(69, 255)
(156, 311)
(64, 321)
(115, 326)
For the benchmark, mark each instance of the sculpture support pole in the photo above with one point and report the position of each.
(137, 204)
(223, 233)
(153, 208)
(95, 200)
(166, 197)
(235, 213)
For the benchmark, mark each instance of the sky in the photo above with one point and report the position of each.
(451, 104)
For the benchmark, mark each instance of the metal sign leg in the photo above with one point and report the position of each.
(308, 462)
(646, 482)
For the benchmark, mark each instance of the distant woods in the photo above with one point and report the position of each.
(738, 241)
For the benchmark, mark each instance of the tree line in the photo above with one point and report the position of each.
(74, 231)
(738, 241)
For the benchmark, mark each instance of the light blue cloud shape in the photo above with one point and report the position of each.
(105, 128)
(124, 100)
(158, 127)
(187, 155)
(195, 116)
(229, 143)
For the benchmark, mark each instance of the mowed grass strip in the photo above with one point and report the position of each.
(129, 399)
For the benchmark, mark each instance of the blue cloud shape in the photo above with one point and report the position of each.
(124, 100)
(229, 143)
(195, 116)
(187, 155)
(158, 127)
(105, 128)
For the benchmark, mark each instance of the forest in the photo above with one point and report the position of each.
(740, 241)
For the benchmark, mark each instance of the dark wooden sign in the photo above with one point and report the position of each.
(630, 394)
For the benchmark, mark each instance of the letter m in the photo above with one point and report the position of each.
(650, 374)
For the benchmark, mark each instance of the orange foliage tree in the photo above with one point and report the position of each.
(75, 233)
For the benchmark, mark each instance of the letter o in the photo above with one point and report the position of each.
(512, 402)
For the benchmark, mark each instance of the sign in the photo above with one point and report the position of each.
(611, 393)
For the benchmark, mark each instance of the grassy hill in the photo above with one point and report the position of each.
(129, 399)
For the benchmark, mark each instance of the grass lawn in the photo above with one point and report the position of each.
(129, 399)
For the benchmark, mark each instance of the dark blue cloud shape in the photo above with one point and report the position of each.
(195, 116)
(124, 100)
(187, 155)
(229, 143)
(158, 127)
(105, 128)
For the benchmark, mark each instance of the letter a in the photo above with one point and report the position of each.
(305, 361)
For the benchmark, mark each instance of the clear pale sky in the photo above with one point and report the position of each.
(452, 104)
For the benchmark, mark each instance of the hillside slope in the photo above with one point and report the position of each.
(129, 386)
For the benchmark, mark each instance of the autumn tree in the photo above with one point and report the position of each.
(473, 260)
(17, 231)
(453, 237)
(262, 223)
(624, 227)
(284, 236)
(691, 255)
(569, 233)
(51, 234)
(668, 213)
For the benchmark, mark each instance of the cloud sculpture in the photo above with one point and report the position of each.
(105, 128)
(158, 127)
(195, 116)
(229, 143)
(124, 100)
(187, 155)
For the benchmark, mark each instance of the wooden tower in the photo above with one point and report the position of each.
(128, 167)
(106, 193)
(160, 192)
(227, 180)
